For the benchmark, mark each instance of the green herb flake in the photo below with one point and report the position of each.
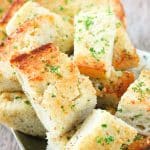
(88, 22)
(61, 8)
(109, 139)
(104, 125)
(62, 107)
(53, 69)
(109, 11)
(118, 24)
(119, 110)
(139, 88)
(72, 106)
(99, 140)
(27, 102)
(18, 97)
(95, 54)
(138, 137)
(53, 95)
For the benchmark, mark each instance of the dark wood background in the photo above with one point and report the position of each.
(138, 20)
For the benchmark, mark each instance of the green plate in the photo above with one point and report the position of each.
(27, 142)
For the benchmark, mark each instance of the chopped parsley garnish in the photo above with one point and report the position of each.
(109, 11)
(118, 24)
(73, 107)
(124, 147)
(95, 54)
(27, 102)
(119, 110)
(67, 1)
(88, 22)
(138, 137)
(107, 140)
(53, 95)
(62, 107)
(53, 69)
(104, 125)
(139, 88)
(61, 8)
(18, 97)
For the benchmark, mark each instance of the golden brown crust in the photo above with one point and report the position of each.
(123, 60)
(110, 91)
(88, 66)
(27, 63)
(143, 144)
(16, 4)
(46, 56)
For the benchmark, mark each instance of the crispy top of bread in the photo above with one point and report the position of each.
(37, 32)
(28, 11)
(95, 32)
(50, 65)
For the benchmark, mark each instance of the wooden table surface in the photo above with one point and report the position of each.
(138, 20)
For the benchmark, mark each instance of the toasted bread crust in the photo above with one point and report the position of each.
(143, 144)
(123, 60)
(88, 66)
(16, 4)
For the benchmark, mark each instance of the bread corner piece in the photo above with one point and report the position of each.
(134, 107)
(33, 26)
(109, 91)
(95, 31)
(125, 55)
(59, 143)
(101, 130)
(61, 97)
(17, 113)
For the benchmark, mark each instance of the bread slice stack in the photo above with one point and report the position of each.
(59, 92)
(60, 96)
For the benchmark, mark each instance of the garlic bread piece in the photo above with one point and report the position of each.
(28, 11)
(125, 55)
(95, 31)
(70, 8)
(134, 107)
(109, 91)
(60, 96)
(36, 26)
(17, 113)
(101, 130)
